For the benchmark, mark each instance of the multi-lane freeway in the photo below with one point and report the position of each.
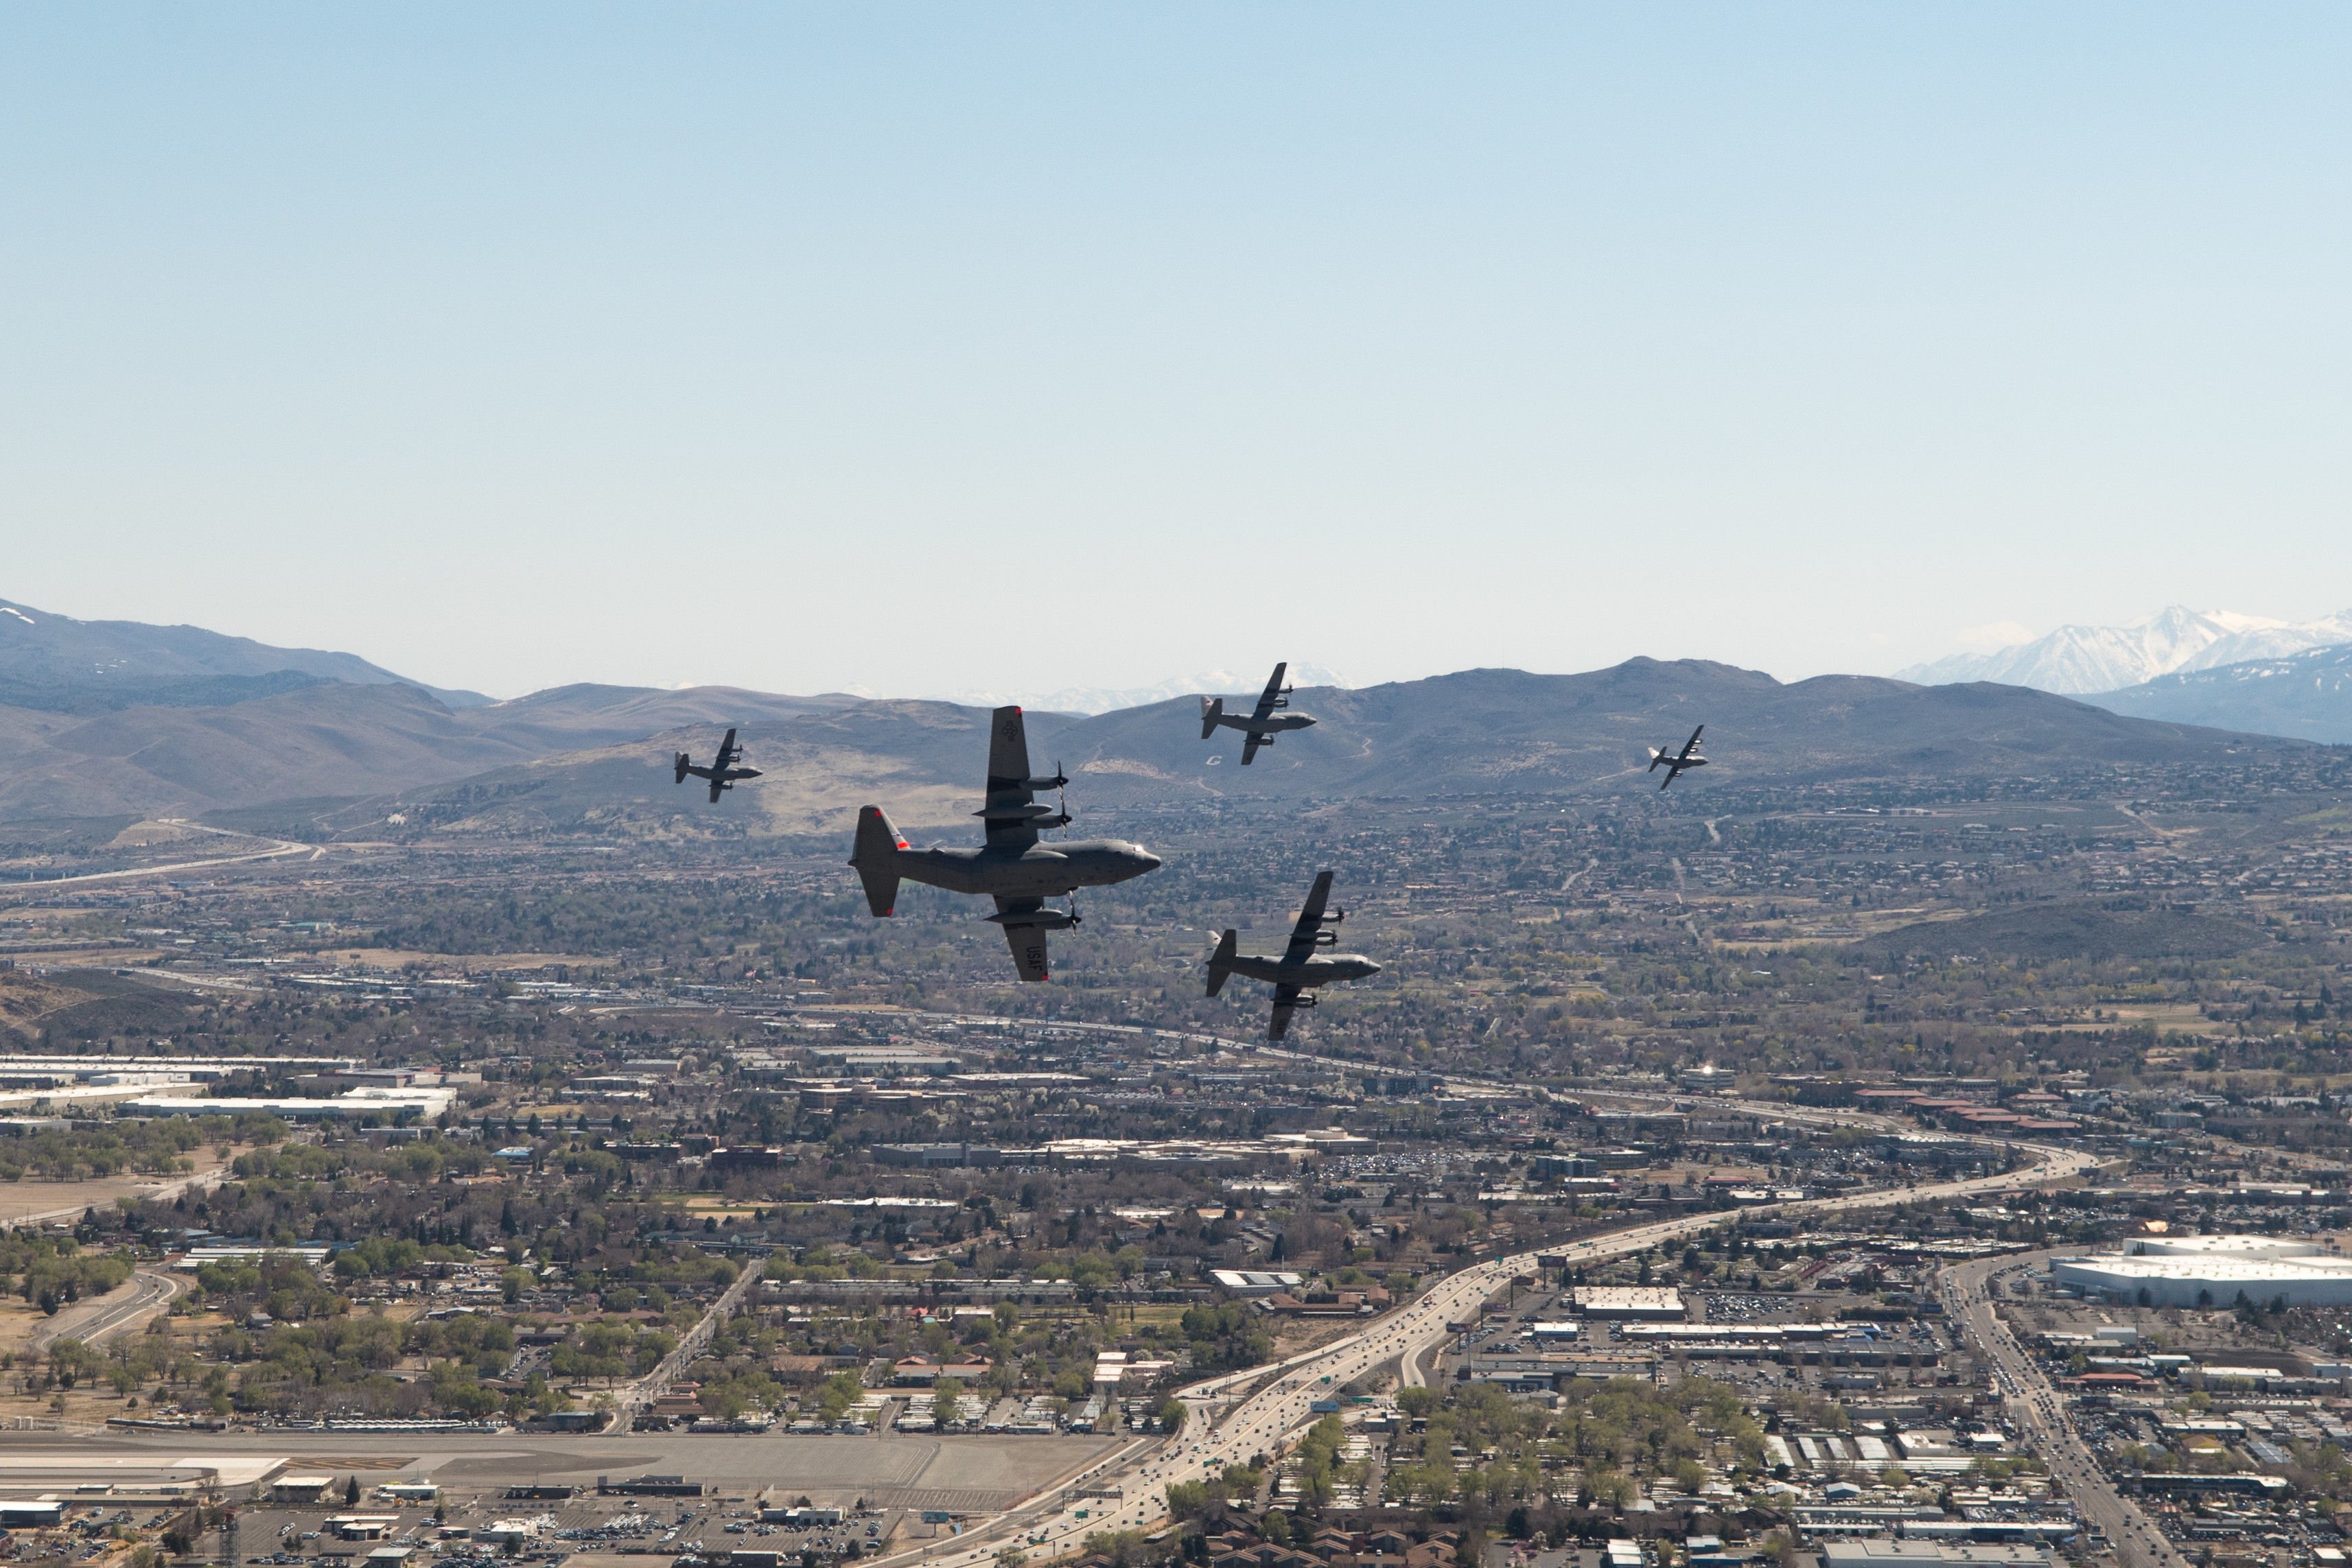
(1220, 1435)
(2033, 1406)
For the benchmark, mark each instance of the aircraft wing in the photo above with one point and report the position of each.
(1692, 744)
(1250, 742)
(727, 752)
(717, 784)
(1311, 921)
(1028, 942)
(1285, 1001)
(1005, 812)
(1272, 694)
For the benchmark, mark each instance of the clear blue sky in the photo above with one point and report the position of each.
(912, 349)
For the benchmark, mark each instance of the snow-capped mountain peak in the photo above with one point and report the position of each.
(2076, 660)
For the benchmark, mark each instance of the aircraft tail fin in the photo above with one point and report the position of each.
(1656, 756)
(1221, 961)
(684, 762)
(877, 859)
(1008, 750)
(1212, 710)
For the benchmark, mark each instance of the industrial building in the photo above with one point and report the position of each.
(1878, 1552)
(2222, 1247)
(1254, 1282)
(2212, 1270)
(351, 1104)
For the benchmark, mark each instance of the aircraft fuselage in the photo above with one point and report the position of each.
(1043, 870)
(1269, 724)
(1321, 970)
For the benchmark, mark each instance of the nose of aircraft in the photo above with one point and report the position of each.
(1146, 859)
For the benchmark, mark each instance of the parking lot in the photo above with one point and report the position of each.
(586, 1527)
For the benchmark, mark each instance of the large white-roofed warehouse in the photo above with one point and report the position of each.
(2214, 1271)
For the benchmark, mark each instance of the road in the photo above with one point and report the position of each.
(1054, 1526)
(279, 849)
(643, 1392)
(2041, 1419)
(102, 1317)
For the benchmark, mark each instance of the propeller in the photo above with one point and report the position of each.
(1062, 785)
(1075, 921)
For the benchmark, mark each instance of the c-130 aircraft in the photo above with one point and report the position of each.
(722, 771)
(1014, 866)
(1261, 724)
(1303, 965)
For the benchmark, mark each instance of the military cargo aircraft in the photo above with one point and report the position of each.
(1013, 866)
(721, 772)
(1261, 724)
(1675, 762)
(1303, 964)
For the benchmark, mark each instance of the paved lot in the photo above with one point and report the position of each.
(964, 1474)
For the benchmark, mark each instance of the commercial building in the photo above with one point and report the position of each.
(29, 1069)
(300, 1490)
(2169, 1483)
(937, 1156)
(1622, 1302)
(2212, 1270)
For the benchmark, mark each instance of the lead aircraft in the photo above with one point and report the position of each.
(1015, 867)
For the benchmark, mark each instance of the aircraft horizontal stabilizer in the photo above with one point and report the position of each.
(877, 859)
(1212, 710)
(1221, 961)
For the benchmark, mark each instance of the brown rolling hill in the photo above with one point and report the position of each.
(333, 739)
(1478, 732)
(359, 754)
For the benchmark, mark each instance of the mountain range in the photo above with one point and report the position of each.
(54, 663)
(104, 718)
(1476, 732)
(2077, 661)
(2306, 695)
